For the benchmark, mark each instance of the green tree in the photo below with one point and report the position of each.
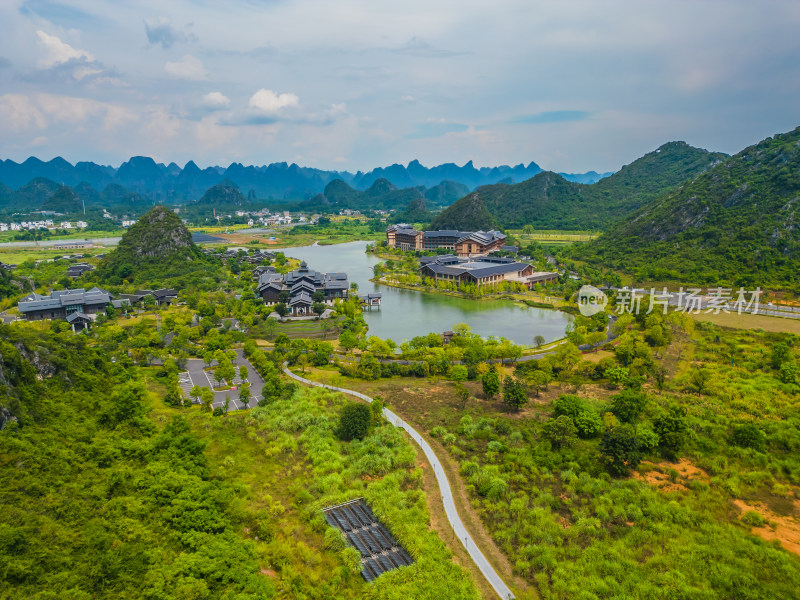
(244, 394)
(354, 421)
(560, 432)
(628, 405)
(463, 395)
(243, 372)
(281, 309)
(699, 380)
(515, 395)
(207, 398)
(671, 429)
(195, 393)
(348, 340)
(459, 373)
(780, 354)
(539, 340)
(225, 371)
(621, 449)
(491, 383)
(789, 372)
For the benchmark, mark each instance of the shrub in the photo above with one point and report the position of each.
(588, 423)
(748, 435)
(560, 432)
(622, 449)
(568, 405)
(628, 405)
(671, 429)
(753, 519)
(354, 421)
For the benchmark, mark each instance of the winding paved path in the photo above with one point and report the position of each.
(444, 485)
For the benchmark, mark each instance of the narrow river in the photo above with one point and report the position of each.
(406, 313)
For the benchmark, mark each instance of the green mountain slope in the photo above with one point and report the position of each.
(380, 195)
(224, 194)
(548, 201)
(739, 223)
(157, 245)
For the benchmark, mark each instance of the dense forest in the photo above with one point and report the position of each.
(736, 224)
(548, 201)
(109, 493)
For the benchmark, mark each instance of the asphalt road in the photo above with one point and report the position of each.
(196, 374)
(444, 486)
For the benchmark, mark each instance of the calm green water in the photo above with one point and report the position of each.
(406, 313)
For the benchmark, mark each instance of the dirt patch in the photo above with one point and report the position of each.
(670, 477)
(785, 529)
(597, 356)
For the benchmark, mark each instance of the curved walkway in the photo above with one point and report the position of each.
(444, 485)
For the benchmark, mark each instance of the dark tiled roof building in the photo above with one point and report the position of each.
(462, 243)
(482, 271)
(61, 304)
(299, 287)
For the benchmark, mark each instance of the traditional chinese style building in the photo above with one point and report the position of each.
(298, 288)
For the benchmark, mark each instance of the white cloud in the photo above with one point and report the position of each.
(40, 111)
(58, 52)
(270, 102)
(188, 67)
(216, 100)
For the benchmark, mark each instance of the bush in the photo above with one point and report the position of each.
(748, 435)
(622, 449)
(753, 519)
(560, 432)
(568, 405)
(588, 423)
(671, 430)
(354, 421)
(628, 405)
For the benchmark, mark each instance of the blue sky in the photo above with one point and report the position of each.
(572, 85)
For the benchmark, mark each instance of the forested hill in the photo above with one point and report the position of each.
(277, 181)
(548, 201)
(739, 223)
(159, 243)
(382, 195)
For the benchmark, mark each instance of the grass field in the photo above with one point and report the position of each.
(745, 321)
(553, 236)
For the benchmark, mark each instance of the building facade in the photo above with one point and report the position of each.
(298, 288)
(61, 304)
(482, 271)
(461, 243)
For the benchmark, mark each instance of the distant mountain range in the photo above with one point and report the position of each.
(170, 183)
(737, 224)
(549, 201)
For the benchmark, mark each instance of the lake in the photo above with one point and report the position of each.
(407, 313)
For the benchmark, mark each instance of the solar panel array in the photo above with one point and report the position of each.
(380, 552)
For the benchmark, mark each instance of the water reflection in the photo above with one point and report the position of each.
(406, 313)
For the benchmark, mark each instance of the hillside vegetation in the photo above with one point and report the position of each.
(108, 493)
(158, 246)
(738, 224)
(548, 201)
(381, 195)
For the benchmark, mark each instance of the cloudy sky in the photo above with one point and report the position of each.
(573, 85)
